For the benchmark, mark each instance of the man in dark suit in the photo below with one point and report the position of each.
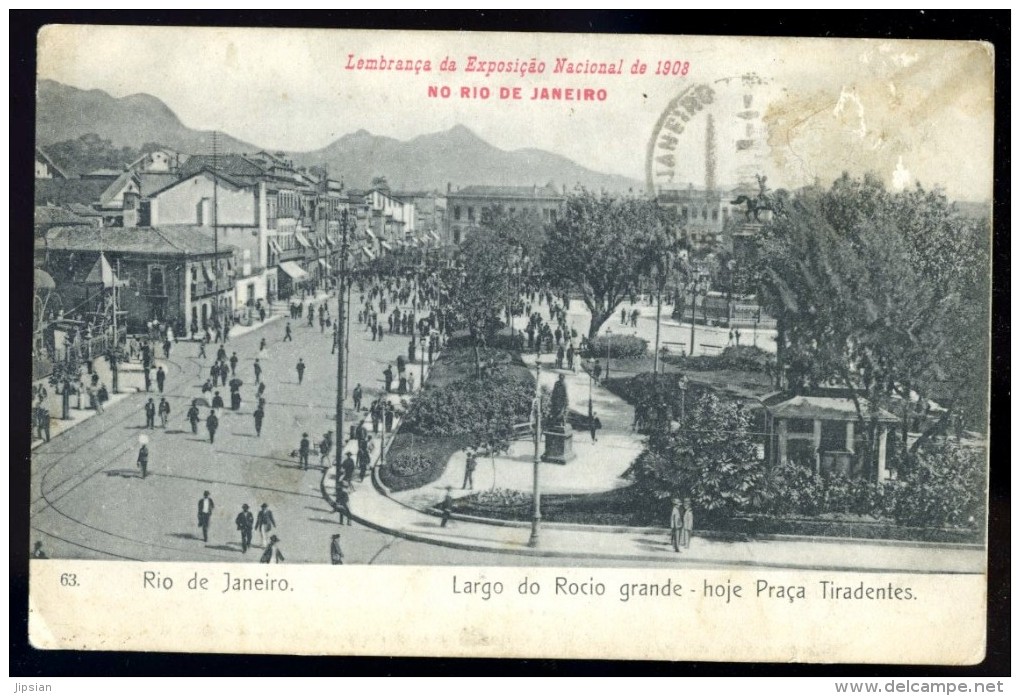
(245, 522)
(303, 449)
(205, 508)
(211, 423)
(150, 414)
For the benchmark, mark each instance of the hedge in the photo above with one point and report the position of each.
(741, 358)
(617, 346)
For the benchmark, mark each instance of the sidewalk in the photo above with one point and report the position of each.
(412, 515)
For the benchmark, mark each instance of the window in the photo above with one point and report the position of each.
(715, 213)
(456, 212)
(683, 212)
(456, 235)
(157, 286)
(471, 213)
(704, 213)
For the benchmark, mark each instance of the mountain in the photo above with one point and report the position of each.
(65, 113)
(456, 156)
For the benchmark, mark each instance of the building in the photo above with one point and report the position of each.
(466, 206)
(172, 274)
(818, 430)
(46, 168)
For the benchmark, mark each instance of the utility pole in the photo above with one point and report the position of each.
(341, 357)
(216, 222)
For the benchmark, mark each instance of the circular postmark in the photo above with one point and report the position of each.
(663, 157)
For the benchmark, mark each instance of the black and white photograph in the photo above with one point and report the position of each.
(638, 320)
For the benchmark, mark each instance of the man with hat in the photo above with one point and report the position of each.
(685, 536)
(676, 523)
(205, 508)
(265, 522)
(143, 456)
(303, 450)
(245, 521)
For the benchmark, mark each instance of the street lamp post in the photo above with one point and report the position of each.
(536, 515)
(609, 345)
(341, 355)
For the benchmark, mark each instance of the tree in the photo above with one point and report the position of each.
(479, 291)
(710, 458)
(597, 247)
(883, 294)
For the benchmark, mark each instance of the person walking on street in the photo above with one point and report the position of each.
(42, 422)
(676, 523)
(343, 503)
(470, 464)
(259, 415)
(287, 335)
(217, 401)
(685, 536)
(594, 425)
(303, 449)
(150, 414)
(272, 554)
(262, 346)
(388, 377)
(233, 363)
(447, 506)
(336, 554)
(211, 423)
(164, 412)
(201, 348)
(194, 417)
(258, 371)
(143, 459)
(325, 448)
(356, 395)
(245, 521)
(348, 466)
(300, 370)
(205, 508)
(148, 378)
(265, 523)
(597, 372)
(364, 458)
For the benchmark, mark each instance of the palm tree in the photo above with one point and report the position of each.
(660, 261)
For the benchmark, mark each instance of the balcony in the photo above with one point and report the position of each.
(211, 288)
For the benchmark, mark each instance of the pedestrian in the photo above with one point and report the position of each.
(336, 554)
(262, 345)
(470, 464)
(676, 523)
(164, 412)
(401, 364)
(287, 335)
(217, 401)
(376, 412)
(685, 536)
(410, 382)
(233, 363)
(272, 554)
(42, 422)
(364, 458)
(258, 371)
(348, 466)
(447, 506)
(245, 521)
(388, 377)
(201, 348)
(143, 459)
(623, 317)
(211, 424)
(570, 357)
(594, 425)
(205, 508)
(325, 448)
(194, 417)
(300, 370)
(265, 523)
(221, 354)
(148, 378)
(150, 414)
(343, 503)
(356, 395)
(259, 415)
(303, 449)
(224, 373)
(597, 372)
(38, 552)
(388, 414)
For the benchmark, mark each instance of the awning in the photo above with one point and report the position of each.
(325, 265)
(207, 269)
(370, 233)
(386, 245)
(368, 252)
(301, 239)
(330, 239)
(275, 247)
(293, 270)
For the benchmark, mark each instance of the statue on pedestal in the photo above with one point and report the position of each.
(558, 404)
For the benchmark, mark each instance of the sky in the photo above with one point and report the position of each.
(907, 110)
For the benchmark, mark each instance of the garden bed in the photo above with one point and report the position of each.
(399, 474)
(625, 507)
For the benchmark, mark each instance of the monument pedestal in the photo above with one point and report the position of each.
(559, 446)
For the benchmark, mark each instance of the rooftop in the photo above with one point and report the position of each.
(507, 192)
(823, 405)
(68, 191)
(165, 239)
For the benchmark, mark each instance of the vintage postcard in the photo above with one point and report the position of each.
(511, 345)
